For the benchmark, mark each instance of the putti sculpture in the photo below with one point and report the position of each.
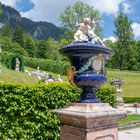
(87, 55)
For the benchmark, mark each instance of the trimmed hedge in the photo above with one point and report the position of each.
(25, 111)
(59, 67)
(131, 99)
(8, 60)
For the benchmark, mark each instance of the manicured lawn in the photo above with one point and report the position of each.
(10, 76)
(131, 87)
(130, 119)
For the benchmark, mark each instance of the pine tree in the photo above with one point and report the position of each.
(124, 35)
(29, 46)
(6, 30)
(18, 36)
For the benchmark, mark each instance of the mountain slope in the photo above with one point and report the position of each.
(39, 30)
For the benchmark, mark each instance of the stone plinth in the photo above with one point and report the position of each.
(89, 121)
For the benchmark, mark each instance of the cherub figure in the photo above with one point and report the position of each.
(80, 35)
(92, 36)
(86, 33)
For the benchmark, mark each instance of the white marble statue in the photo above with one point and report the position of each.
(59, 78)
(86, 33)
(80, 35)
(93, 36)
(17, 66)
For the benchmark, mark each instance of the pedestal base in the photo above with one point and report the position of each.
(120, 102)
(89, 121)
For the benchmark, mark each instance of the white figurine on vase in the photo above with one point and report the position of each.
(94, 38)
(86, 33)
(80, 35)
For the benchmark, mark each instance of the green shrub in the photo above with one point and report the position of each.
(131, 99)
(106, 94)
(8, 59)
(25, 111)
(59, 67)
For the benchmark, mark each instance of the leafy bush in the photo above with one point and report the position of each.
(131, 99)
(8, 45)
(59, 67)
(25, 111)
(106, 94)
(8, 59)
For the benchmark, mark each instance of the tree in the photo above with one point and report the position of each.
(29, 46)
(138, 44)
(6, 30)
(53, 49)
(124, 34)
(0, 8)
(18, 36)
(41, 49)
(75, 14)
(9, 46)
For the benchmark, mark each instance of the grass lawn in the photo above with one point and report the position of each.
(131, 87)
(130, 119)
(10, 76)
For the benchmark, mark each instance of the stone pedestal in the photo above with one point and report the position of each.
(89, 121)
(120, 102)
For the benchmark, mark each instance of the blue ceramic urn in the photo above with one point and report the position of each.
(87, 56)
(87, 70)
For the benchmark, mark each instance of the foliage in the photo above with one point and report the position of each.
(74, 14)
(106, 94)
(41, 49)
(9, 60)
(123, 48)
(49, 49)
(18, 35)
(52, 49)
(25, 111)
(8, 45)
(59, 67)
(131, 99)
(29, 46)
(0, 9)
(138, 51)
(6, 30)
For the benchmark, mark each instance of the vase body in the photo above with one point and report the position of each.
(87, 71)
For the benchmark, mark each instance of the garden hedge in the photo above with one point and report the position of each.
(59, 67)
(131, 99)
(9, 58)
(25, 110)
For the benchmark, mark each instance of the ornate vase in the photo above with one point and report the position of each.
(87, 71)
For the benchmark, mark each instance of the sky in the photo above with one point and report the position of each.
(50, 10)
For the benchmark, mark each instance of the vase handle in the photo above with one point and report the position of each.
(70, 75)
